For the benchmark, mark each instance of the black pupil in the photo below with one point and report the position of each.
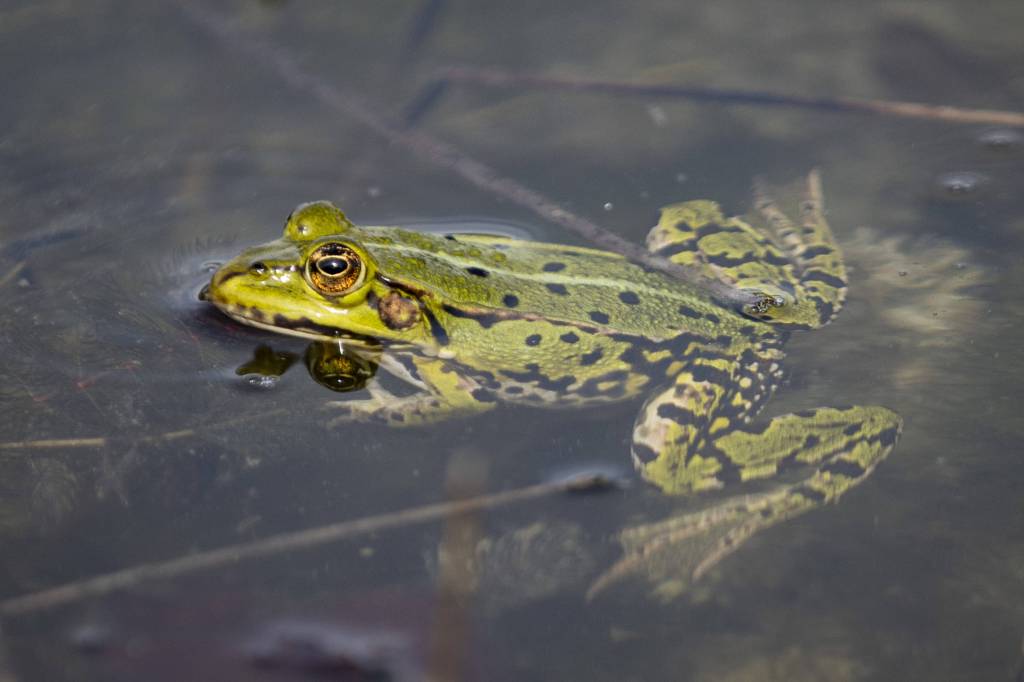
(332, 266)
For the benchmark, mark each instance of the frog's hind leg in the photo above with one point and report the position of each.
(697, 234)
(845, 446)
(796, 268)
(698, 435)
(820, 287)
(842, 447)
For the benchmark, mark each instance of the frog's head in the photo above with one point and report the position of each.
(320, 281)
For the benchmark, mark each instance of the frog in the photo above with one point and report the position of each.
(475, 321)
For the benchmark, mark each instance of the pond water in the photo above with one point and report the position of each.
(143, 144)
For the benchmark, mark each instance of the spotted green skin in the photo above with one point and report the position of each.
(511, 321)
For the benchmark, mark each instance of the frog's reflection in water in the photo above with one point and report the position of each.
(330, 364)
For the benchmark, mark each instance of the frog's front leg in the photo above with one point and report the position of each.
(444, 393)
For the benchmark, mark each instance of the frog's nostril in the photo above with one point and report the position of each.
(259, 268)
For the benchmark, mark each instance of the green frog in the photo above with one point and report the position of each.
(474, 321)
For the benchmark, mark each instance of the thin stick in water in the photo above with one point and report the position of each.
(285, 542)
(938, 112)
(445, 155)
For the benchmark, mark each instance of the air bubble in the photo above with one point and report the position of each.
(658, 115)
(91, 638)
(961, 184)
(1000, 138)
(609, 206)
(261, 381)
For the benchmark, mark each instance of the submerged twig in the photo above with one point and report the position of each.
(499, 78)
(13, 272)
(104, 441)
(445, 155)
(19, 249)
(423, 25)
(279, 544)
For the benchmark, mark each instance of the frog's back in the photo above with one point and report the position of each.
(480, 275)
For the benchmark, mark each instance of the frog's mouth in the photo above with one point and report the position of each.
(302, 327)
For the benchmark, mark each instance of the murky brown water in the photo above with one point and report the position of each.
(139, 147)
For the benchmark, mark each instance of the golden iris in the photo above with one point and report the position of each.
(334, 269)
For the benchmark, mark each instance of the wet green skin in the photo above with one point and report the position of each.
(489, 320)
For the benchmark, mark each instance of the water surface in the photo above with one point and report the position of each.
(139, 148)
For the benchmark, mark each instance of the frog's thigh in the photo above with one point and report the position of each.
(672, 433)
(447, 394)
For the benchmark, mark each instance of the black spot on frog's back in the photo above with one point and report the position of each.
(599, 317)
(558, 289)
(686, 311)
(553, 267)
(629, 297)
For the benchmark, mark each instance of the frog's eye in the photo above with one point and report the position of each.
(334, 269)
